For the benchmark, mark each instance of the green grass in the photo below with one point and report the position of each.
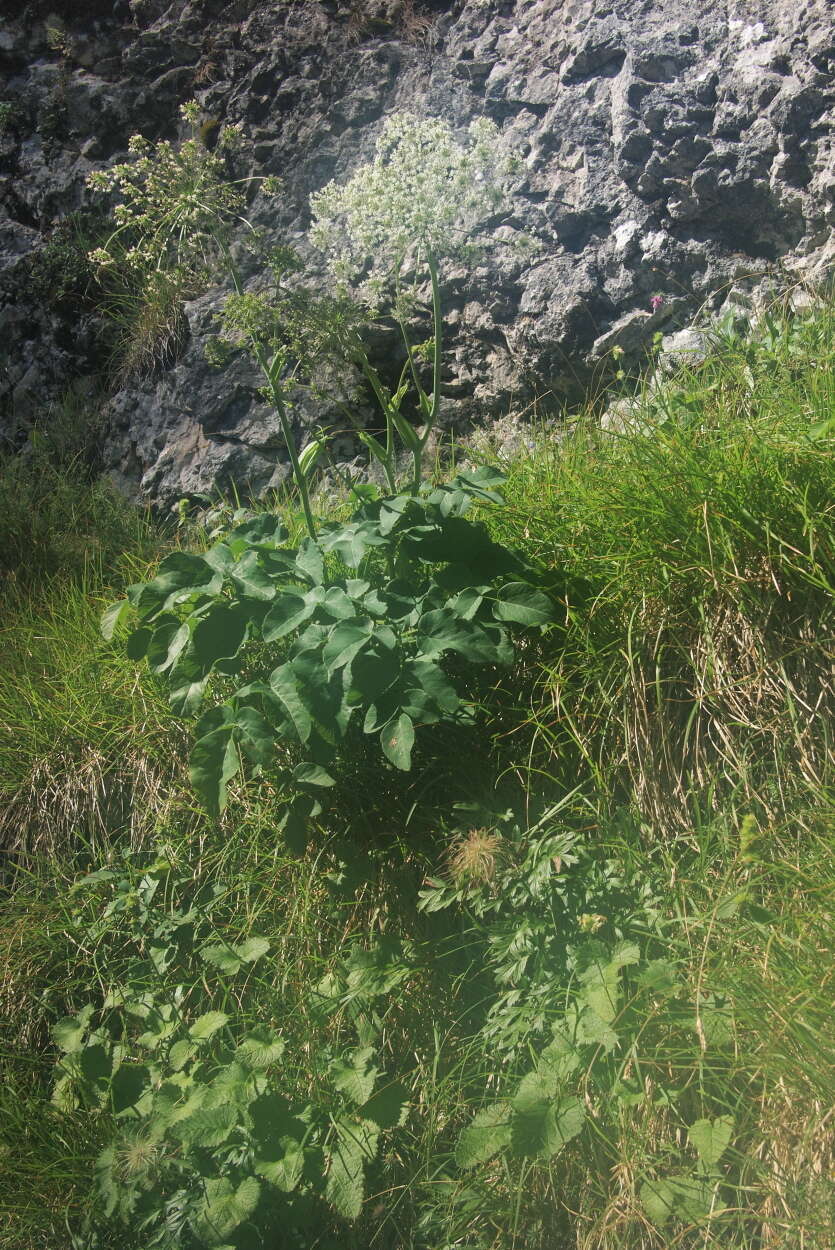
(679, 720)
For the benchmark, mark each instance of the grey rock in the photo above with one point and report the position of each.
(673, 147)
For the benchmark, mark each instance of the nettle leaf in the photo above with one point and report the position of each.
(711, 1138)
(541, 1127)
(207, 1025)
(689, 1198)
(659, 976)
(389, 1107)
(129, 1083)
(215, 760)
(208, 1126)
(488, 1133)
(230, 959)
(180, 1053)
(355, 1077)
(260, 1049)
(524, 604)
(69, 1033)
(397, 740)
(282, 1164)
(273, 1120)
(225, 1208)
(356, 1143)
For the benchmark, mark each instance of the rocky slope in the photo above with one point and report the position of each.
(673, 148)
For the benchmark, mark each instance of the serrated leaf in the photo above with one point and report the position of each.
(540, 1129)
(208, 1126)
(230, 959)
(282, 1165)
(70, 1031)
(356, 1143)
(180, 1053)
(397, 740)
(129, 1083)
(488, 1133)
(711, 1138)
(207, 1025)
(389, 1107)
(660, 977)
(260, 1049)
(688, 1198)
(354, 1077)
(225, 1209)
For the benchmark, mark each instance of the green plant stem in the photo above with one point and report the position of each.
(278, 403)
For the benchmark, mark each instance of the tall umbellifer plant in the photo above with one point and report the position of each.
(390, 227)
(354, 624)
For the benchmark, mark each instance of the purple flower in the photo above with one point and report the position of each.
(656, 302)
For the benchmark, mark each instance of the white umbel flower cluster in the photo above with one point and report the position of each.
(423, 192)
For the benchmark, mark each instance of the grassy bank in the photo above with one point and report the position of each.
(575, 969)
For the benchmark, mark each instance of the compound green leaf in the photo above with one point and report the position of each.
(113, 617)
(290, 610)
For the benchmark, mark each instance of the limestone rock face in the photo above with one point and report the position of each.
(673, 148)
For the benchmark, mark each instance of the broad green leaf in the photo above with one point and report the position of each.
(137, 643)
(356, 1143)
(374, 669)
(113, 617)
(220, 633)
(251, 579)
(397, 740)
(344, 641)
(225, 1208)
(180, 1053)
(283, 683)
(260, 1049)
(230, 959)
(711, 1138)
(338, 605)
(166, 645)
(687, 1197)
(540, 1128)
(187, 687)
(255, 735)
(207, 1025)
(69, 1032)
(130, 1081)
(290, 610)
(96, 1061)
(519, 602)
(208, 1126)
(660, 977)
(265, 528)
(488, 1133)
(282, 1164)
(312, 775)
(273, 1121)
(354, 1077)
(214, 762)
(389, 1107)
(309, 562)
